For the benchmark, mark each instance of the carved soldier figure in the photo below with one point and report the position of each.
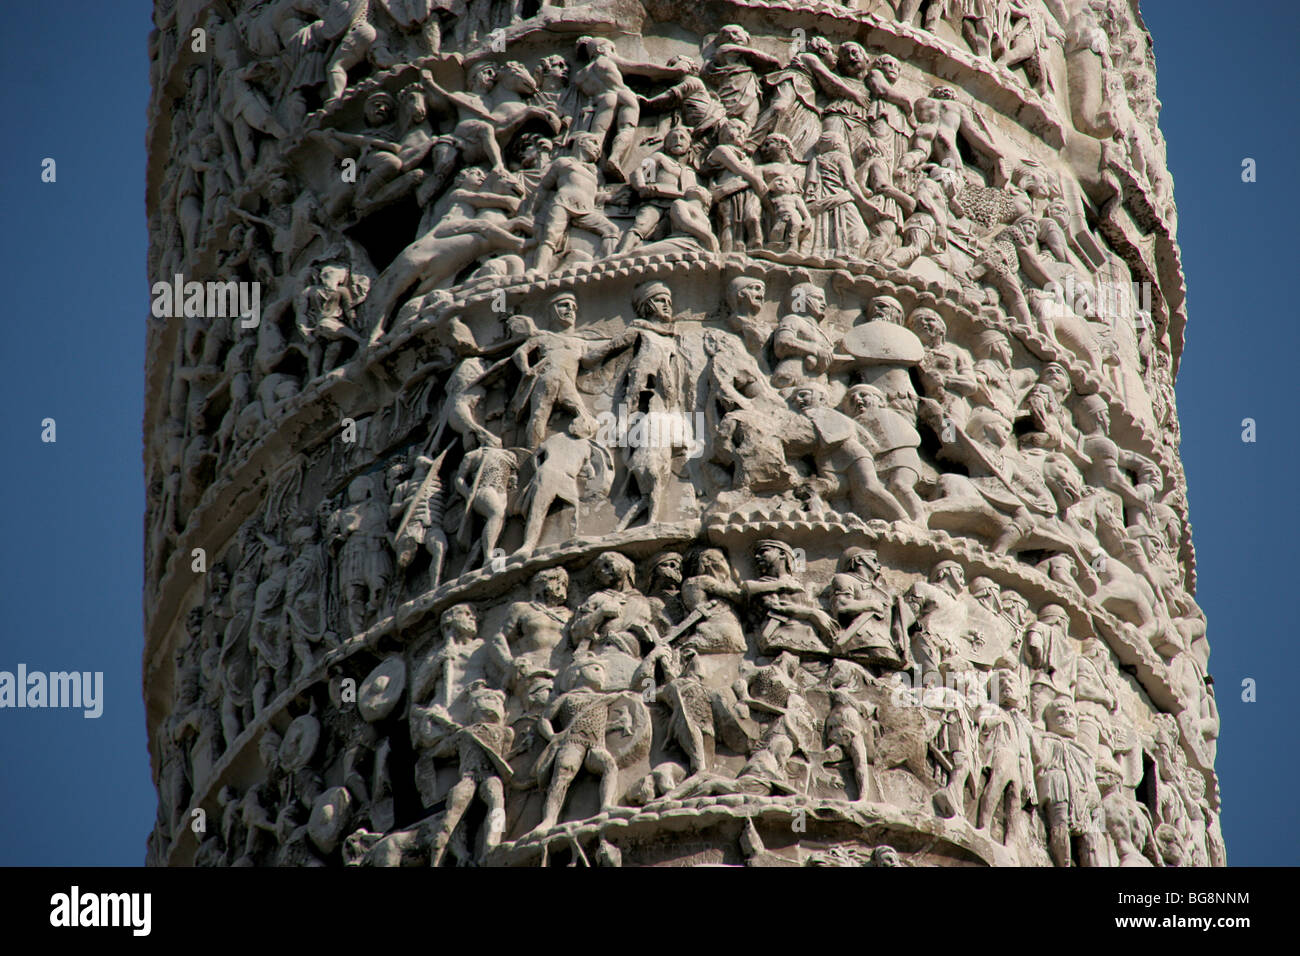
(737, 189)
(1052, 660)
(534, 630)
(746, 296)
(864, 610)
(584, 716)
(843, 451)
(787, 618)
(667, 185)
(550, 362)
(417, 501)
(359, 532)
(480, 746)
(694, 103)
(1067, 787)
(459, 659)
(896, 443)
(734, 70)
(486, 481)
(654, 385)
(1005, 752)
(847, 727)
(802, 349)
(947, 373)
(569, 195)
(615, 622)
(559, 465)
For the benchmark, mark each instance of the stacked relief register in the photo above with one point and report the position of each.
(665, 433)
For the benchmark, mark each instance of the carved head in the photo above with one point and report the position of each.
(471, 177)
(776, 148)
(889, 67)
(806, 298)
(734, 33)
(988, 426)
(928, 326)
(1054, 616)
(653, 300)
(860, 561)
(516, 78)
(588, 673)
(380, 108)
(359, 489)
(677, 141)
(563, 307)
(885, 308)
(665, 571)
(949, 576)
(745, 295)
(280, 192)
(687, 63)
(885, 856)
(986, 591)
(482, 78)
(552, 70)
(412, 102)
(852, 59)
(809, 395)
(589, 48)
(1094, 414)
(587, 147)
(1062, 718)
(733, 132)
(614, 570)
(773, 558)
(713, 563)
(1055, 377)
(458, 622)
(550, 586)
(1025, 232)
(863, 398)
(1011, 692)
(1015, 605)
(820, 46)
(993, 345)
(518, 325)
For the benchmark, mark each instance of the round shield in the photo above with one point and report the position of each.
(382, 689)
(883, 343)
(299, 744)
(330, 816)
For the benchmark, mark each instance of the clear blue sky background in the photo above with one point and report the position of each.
(74, 86)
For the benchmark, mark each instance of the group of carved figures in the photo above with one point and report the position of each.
(887, 421)
(714, 686)
(788, 162)
(818, 154)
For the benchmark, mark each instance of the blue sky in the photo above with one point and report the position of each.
(74, 85)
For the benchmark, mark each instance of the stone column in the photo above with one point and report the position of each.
(646, 433)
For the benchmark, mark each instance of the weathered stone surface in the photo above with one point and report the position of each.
(664, 433)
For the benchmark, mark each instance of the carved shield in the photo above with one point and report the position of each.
(300, 742)
(382, 689)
